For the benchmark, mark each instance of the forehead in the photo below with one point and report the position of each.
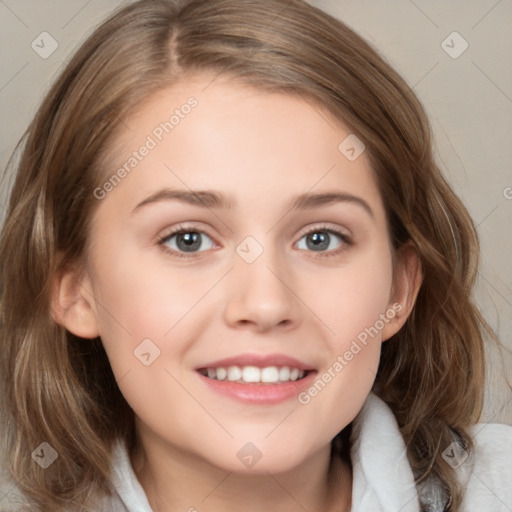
(208, 132)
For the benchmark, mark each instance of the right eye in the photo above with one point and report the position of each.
(185, 240)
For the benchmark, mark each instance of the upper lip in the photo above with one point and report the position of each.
(258, 360)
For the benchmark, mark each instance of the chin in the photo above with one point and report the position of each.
(253, 458)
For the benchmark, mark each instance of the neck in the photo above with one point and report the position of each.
(177, 481)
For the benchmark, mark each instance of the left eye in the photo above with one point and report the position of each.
(188, 241)
(321, 240)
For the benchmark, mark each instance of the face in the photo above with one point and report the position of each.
(282, 261)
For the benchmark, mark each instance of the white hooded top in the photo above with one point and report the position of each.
(382, 477)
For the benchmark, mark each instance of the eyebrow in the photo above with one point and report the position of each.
(214, 199)
(202, 198)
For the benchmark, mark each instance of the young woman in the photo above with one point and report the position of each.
(233, 278)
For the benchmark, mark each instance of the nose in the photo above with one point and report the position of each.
(261, 297)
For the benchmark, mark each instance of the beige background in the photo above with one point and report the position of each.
(469, 99)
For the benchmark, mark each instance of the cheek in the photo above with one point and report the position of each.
(142, 312)
(353, 303)
(351, 299)
(142, 294)
(137, 301)
(148, 307)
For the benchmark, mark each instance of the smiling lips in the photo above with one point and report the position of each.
(237, 375)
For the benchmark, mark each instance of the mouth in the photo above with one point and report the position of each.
(249, 374)
(258, 379)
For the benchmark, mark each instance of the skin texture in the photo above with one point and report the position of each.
(261, 150)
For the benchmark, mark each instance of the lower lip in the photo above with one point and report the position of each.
(263, 394)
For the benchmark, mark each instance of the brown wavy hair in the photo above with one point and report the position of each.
(57, 388)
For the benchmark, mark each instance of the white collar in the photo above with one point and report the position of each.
(382, 477)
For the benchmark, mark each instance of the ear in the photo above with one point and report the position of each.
(407, 278)
(73, 305)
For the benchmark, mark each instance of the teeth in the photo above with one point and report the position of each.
(253, 374)
(284, 373)
(270, 374)
(234, 373)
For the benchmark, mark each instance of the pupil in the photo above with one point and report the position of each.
(190, 241)
(317, 241)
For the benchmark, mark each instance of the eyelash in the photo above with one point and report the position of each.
(346, 240)
(178, 230)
